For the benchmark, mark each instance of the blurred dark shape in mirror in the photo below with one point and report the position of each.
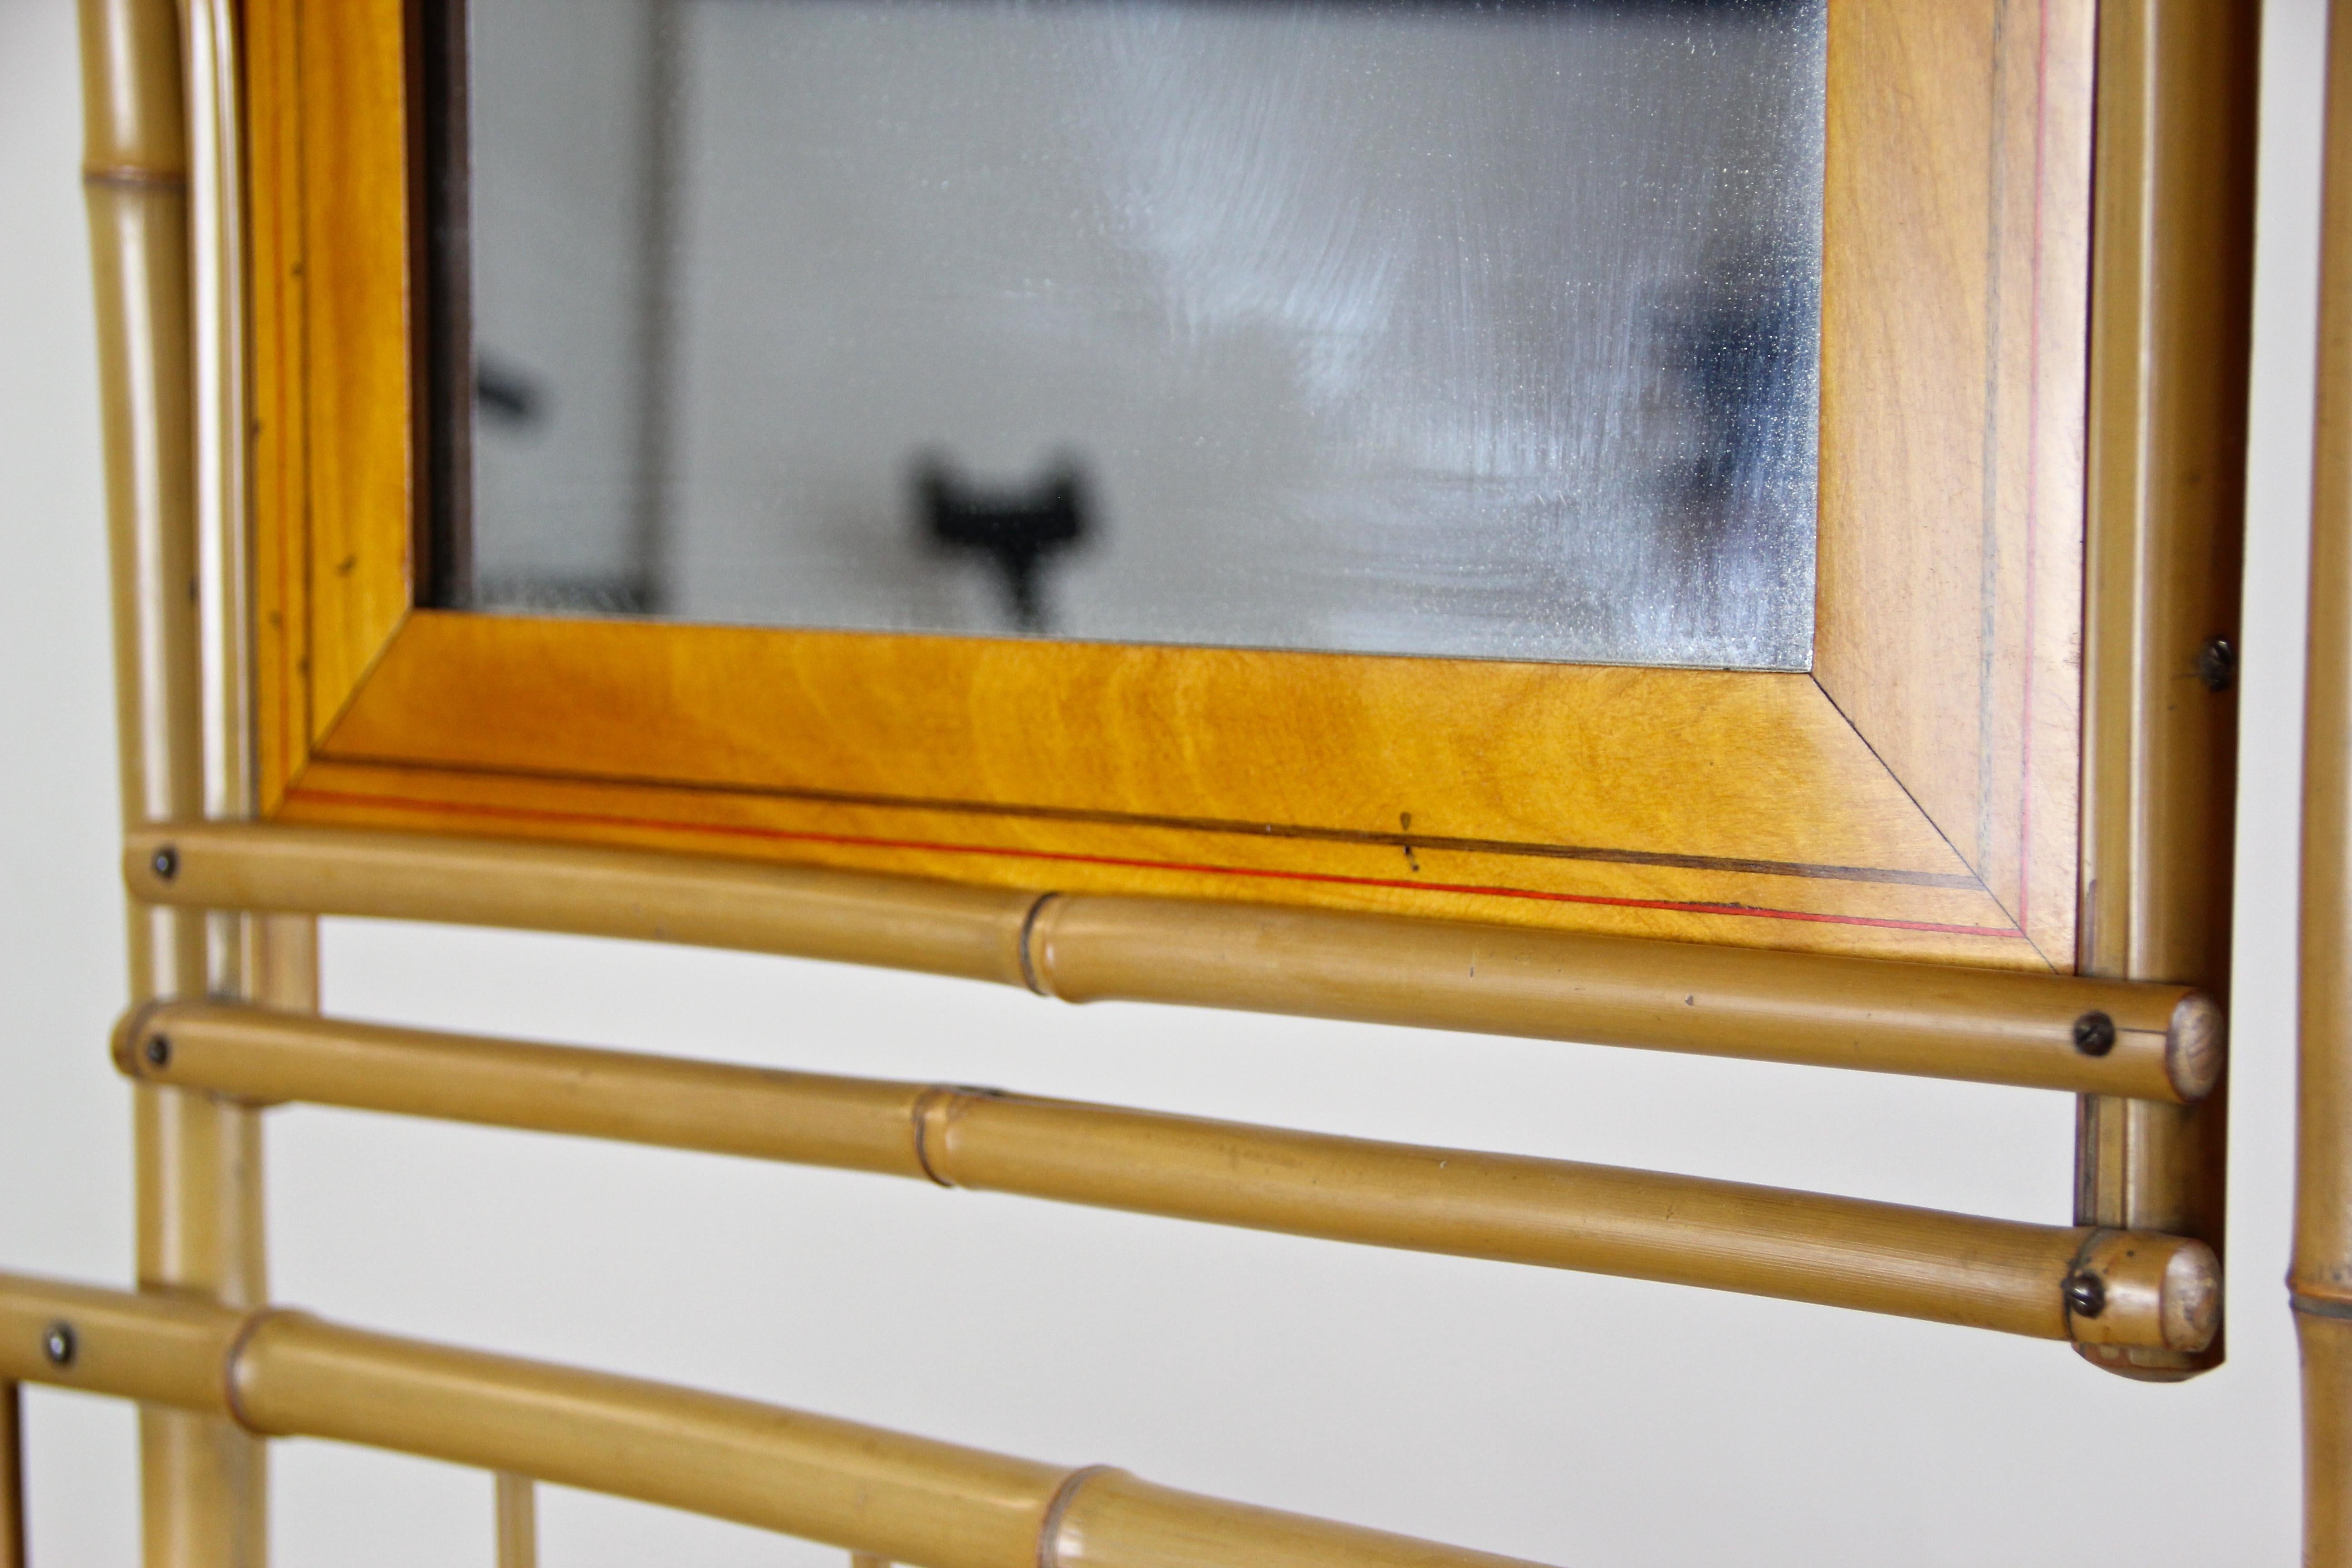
(1018, 529)
(505, 393)
(1422, 327)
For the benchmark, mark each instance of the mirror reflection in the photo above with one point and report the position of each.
(1435, 328)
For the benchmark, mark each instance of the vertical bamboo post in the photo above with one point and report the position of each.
(12, 1475)
(178, 616)
(2172, 252)
(2320, 1279)
(518, 1520)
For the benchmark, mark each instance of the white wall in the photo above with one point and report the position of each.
(1572, 1419)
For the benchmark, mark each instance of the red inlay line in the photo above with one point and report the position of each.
(783, 835)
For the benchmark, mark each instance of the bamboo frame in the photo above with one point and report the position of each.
(2319, 1280)
(12, 1474)
(2170, 333)
(515, 1509)
(204, 1483)
(2144, 1290)
(169, 278)
(907, 1499)
(2162, 1042)
(2166, 375)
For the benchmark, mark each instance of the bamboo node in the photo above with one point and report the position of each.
(1032, 973)
(126, 177)
(940, 1100)
(236, 1374)
(1049, 1528)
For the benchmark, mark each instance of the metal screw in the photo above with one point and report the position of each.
(2217, 664)
(2094, 1033)
(2086, 1295)
(57, 1344)
(167, 862)
(159, 1050)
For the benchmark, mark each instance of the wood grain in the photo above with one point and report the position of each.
(1895, 807)
(1649, 802)
(1954, 311)
(334, 461)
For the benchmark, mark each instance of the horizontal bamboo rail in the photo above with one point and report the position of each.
(904, 1499)
(2095, 1287)
(2130, 1039)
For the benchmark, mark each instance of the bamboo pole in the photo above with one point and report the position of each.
(2320, 1279)
(902, 1498)
(12, 1475)
(202, 1481)
(2046, 1031)
(2172, 255)
(515, 1498)
(2140, 1289)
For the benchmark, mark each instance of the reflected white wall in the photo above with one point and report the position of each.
(560, 308)
(1487, 331)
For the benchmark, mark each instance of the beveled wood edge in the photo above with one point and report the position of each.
(2029, 862)
(1730, 905)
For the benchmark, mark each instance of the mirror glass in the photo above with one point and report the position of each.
(1460, 329)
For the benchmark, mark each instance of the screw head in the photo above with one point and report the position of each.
(159, 1050)
(166, 862)
(2217, 664)
(2094, 1033)
(2086, 1295)
(57, 1344)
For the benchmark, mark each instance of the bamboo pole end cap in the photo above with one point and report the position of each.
(130, 1031)
(2137, 1288)
(2196, 1047)
(151, 864)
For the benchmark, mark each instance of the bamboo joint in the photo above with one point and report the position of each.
(2128, 1039)
(2094, 1286)
(281, 1372)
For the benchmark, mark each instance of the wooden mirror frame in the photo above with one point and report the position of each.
(1917, 795)
(2015, 749)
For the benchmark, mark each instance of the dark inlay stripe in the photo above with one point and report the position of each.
(1401, 841)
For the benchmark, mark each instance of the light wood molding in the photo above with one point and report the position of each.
(1915, 797)
(1954, 297)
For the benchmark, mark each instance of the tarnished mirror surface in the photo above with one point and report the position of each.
(1434, 328)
